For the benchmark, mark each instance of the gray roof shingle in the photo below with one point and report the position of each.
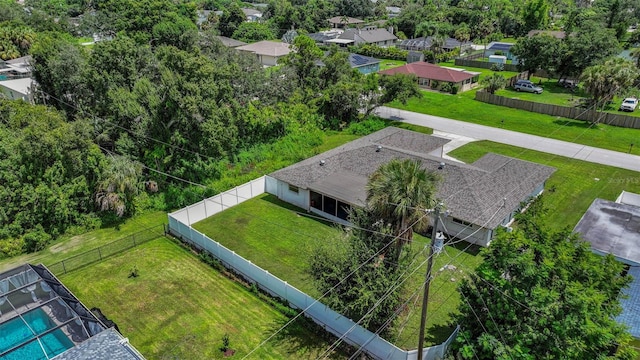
(483, 193)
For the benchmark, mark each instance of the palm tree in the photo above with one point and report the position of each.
(493, 83)
(118, 186)
(437, 46)
(399, 192)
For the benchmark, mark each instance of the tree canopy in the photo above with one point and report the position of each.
(542, 295)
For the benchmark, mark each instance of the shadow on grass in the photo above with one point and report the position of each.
(301, 338)
(464, 246)
(275, 201)
(437, 334)
(575, 123)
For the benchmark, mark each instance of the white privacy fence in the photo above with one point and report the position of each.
(180, 226)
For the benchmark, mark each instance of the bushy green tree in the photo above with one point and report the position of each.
(538, 52)
(542, 295)
(493, 83)
(253, 31)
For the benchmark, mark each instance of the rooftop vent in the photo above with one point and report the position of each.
(442, 164)
(378, 148)
(322, 162)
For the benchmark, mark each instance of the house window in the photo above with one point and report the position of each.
(461, 222)
(330, 206)
(343, 210)
(316, 200)
(294, 189)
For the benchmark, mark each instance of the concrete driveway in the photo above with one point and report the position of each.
(533, 142)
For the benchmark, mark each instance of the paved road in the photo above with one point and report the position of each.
(533, 142)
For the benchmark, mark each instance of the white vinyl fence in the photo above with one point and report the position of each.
(180, 226)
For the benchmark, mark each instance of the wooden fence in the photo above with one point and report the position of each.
(484, 64)
(562, 111)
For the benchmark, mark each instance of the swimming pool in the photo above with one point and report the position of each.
(16, 332)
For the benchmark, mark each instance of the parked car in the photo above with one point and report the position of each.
(528, 88)
(628, 104)
(523, 81)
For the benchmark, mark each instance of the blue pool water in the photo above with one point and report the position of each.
(16, 332)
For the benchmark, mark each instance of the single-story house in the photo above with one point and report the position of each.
(556, 34)
(321, 37)
(501, 48)
(613, 227)
(431, 76)
(19, 67)
(252, 14)
(479, 197)
(17, 89)
(343, 22)
(268, 52)
(424, 43)
(374, 36)
(229, 42)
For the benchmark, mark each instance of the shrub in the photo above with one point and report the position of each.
(390, 53)
(366, 126)
(455, 89)
(36, 240)
(497, 67)
(435, 84)
(445, 87)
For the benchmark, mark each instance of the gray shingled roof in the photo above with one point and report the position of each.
(483, 193)
(370, 36)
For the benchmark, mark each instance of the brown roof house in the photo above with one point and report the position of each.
(344, 22)
(370, 35)
(479, 197)
(432, 76)
(268, 52)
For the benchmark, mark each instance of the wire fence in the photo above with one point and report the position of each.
(104, 251)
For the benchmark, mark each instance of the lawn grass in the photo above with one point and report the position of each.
(389, 64)
(68, 245)
(571, 189)
(280, 238)
(483, 72)
(553, 94)
(463, 107)
(180, 308)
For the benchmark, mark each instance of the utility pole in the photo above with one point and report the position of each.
(425, 297)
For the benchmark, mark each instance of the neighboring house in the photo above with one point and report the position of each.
(373, 36)
(424, 43)
(252, 14)
(343, 22)
(556, 34)
(15, 68)
(17, 89)
(322, 36)
(479, 197)
(393, 11)
(41, 319)
(229, 42)
(502, 49)
(614, 228)
(431, 76)
(364, 64)
(268, 52)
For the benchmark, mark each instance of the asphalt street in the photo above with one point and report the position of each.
(533, 142)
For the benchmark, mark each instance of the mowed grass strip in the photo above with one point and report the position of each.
(273, 235)
(571, 189)
(463, 107)
(69, 245)
(180, 308)
(280, 238)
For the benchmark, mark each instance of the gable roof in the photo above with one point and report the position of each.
(556, 34)
(229, 42)
(426, 70)
(22, 86)
(251, 12)
(340, 20)
(369, 36)
(483, 193)
(426, 42)
(269, 48)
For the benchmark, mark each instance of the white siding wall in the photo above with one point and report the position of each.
(267, 60)
(480, 237)
(282, 191)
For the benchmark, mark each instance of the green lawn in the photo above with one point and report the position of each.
(67, 246)
(180, 308)
(483, 72)
(553, 94)
(572, 188)
(388, 64)
(463, 107)
(279, 237)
